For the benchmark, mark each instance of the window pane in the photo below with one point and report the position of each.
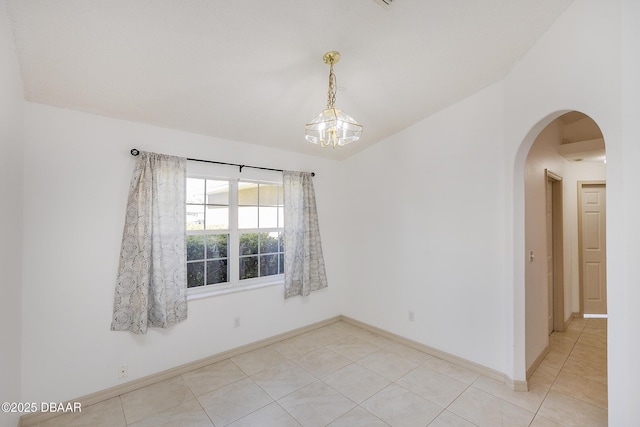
(217, 271)
(281, 269)
(280, 195)
(247, 194)
(268, 243)
(280, 217)
(281, 241)
(268, 217)
(195, 190)
(269, 195)
(247, 217)
(249, 243)
(217, 246)
(217, 192)
(195, 247)
(268, 265)
(248, 267)
(195, 217)
(217, 218)
(195, 274)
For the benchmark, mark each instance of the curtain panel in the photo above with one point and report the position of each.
(304, 270)
(151, 287)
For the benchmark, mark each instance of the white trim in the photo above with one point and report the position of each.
(100, 396)
(594, 316)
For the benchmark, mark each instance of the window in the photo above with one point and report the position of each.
(234, 232)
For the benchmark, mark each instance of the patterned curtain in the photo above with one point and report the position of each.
(303, 261)
(151, 289)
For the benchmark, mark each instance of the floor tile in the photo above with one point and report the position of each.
(540, 421)
(211, 377)
(544, 375)
(464, 375)
(188, 413)
(258, 360)
(407, 352)
(356, 383)
(296, 347)
(108, 413)
(322, 362)
(353, 348)
(439, 389)
(358, 417)
(585, 369)
(555, 359)
(581, 388)
(400, 407)
(572, 412)
(155, 398)
(282, 379)
(449, 419)
(530, 400)
(271, 415)
(316, 404)
(561, 344)
(486, 410)
(595, 340)
(590, 353)
(388, 364)
(232, 402)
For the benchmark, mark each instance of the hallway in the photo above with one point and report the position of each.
(575, 370)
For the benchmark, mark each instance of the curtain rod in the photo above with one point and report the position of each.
(135, 152)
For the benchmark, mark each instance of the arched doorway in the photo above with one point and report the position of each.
(564, 353)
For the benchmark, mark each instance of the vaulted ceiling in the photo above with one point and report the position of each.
(252, 70)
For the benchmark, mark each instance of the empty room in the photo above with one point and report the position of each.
(302, 213)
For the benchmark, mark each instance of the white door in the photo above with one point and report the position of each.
(594, 248)
(550, 254)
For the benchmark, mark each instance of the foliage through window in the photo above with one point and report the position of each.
(234, 231)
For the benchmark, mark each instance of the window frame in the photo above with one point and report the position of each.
(234, 283)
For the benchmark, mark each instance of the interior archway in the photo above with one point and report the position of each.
(570, 146)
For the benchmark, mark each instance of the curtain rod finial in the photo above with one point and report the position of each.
(135, 151)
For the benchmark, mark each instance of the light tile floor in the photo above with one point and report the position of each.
(341, 375)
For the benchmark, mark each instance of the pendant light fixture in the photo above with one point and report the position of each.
(332, 127)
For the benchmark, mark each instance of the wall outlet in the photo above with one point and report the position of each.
(123, 371)
(236, 323)
(412, 315)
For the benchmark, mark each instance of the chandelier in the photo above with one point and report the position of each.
(332, 127)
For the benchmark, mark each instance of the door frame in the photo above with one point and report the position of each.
(580, 260)
(558, 249)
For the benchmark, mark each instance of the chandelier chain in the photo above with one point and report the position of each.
(331, 94)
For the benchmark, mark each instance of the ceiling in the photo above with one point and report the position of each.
(252, 70)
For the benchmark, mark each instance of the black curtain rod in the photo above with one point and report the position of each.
(135, 152)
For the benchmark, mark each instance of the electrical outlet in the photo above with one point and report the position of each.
(123, 371)
(412, 316)
(236, 323)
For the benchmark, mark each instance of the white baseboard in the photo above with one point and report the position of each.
(459, 361)
(34, 419)
(37, 417)
(595, 316)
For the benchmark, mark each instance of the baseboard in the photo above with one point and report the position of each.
(100, 396)
(536, 363)
(459, 361)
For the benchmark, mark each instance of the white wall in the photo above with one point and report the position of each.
(11, 117)
(427, 220)
(77, 172)
(624, 289)
(438, 264)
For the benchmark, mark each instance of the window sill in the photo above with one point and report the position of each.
(205, 292)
